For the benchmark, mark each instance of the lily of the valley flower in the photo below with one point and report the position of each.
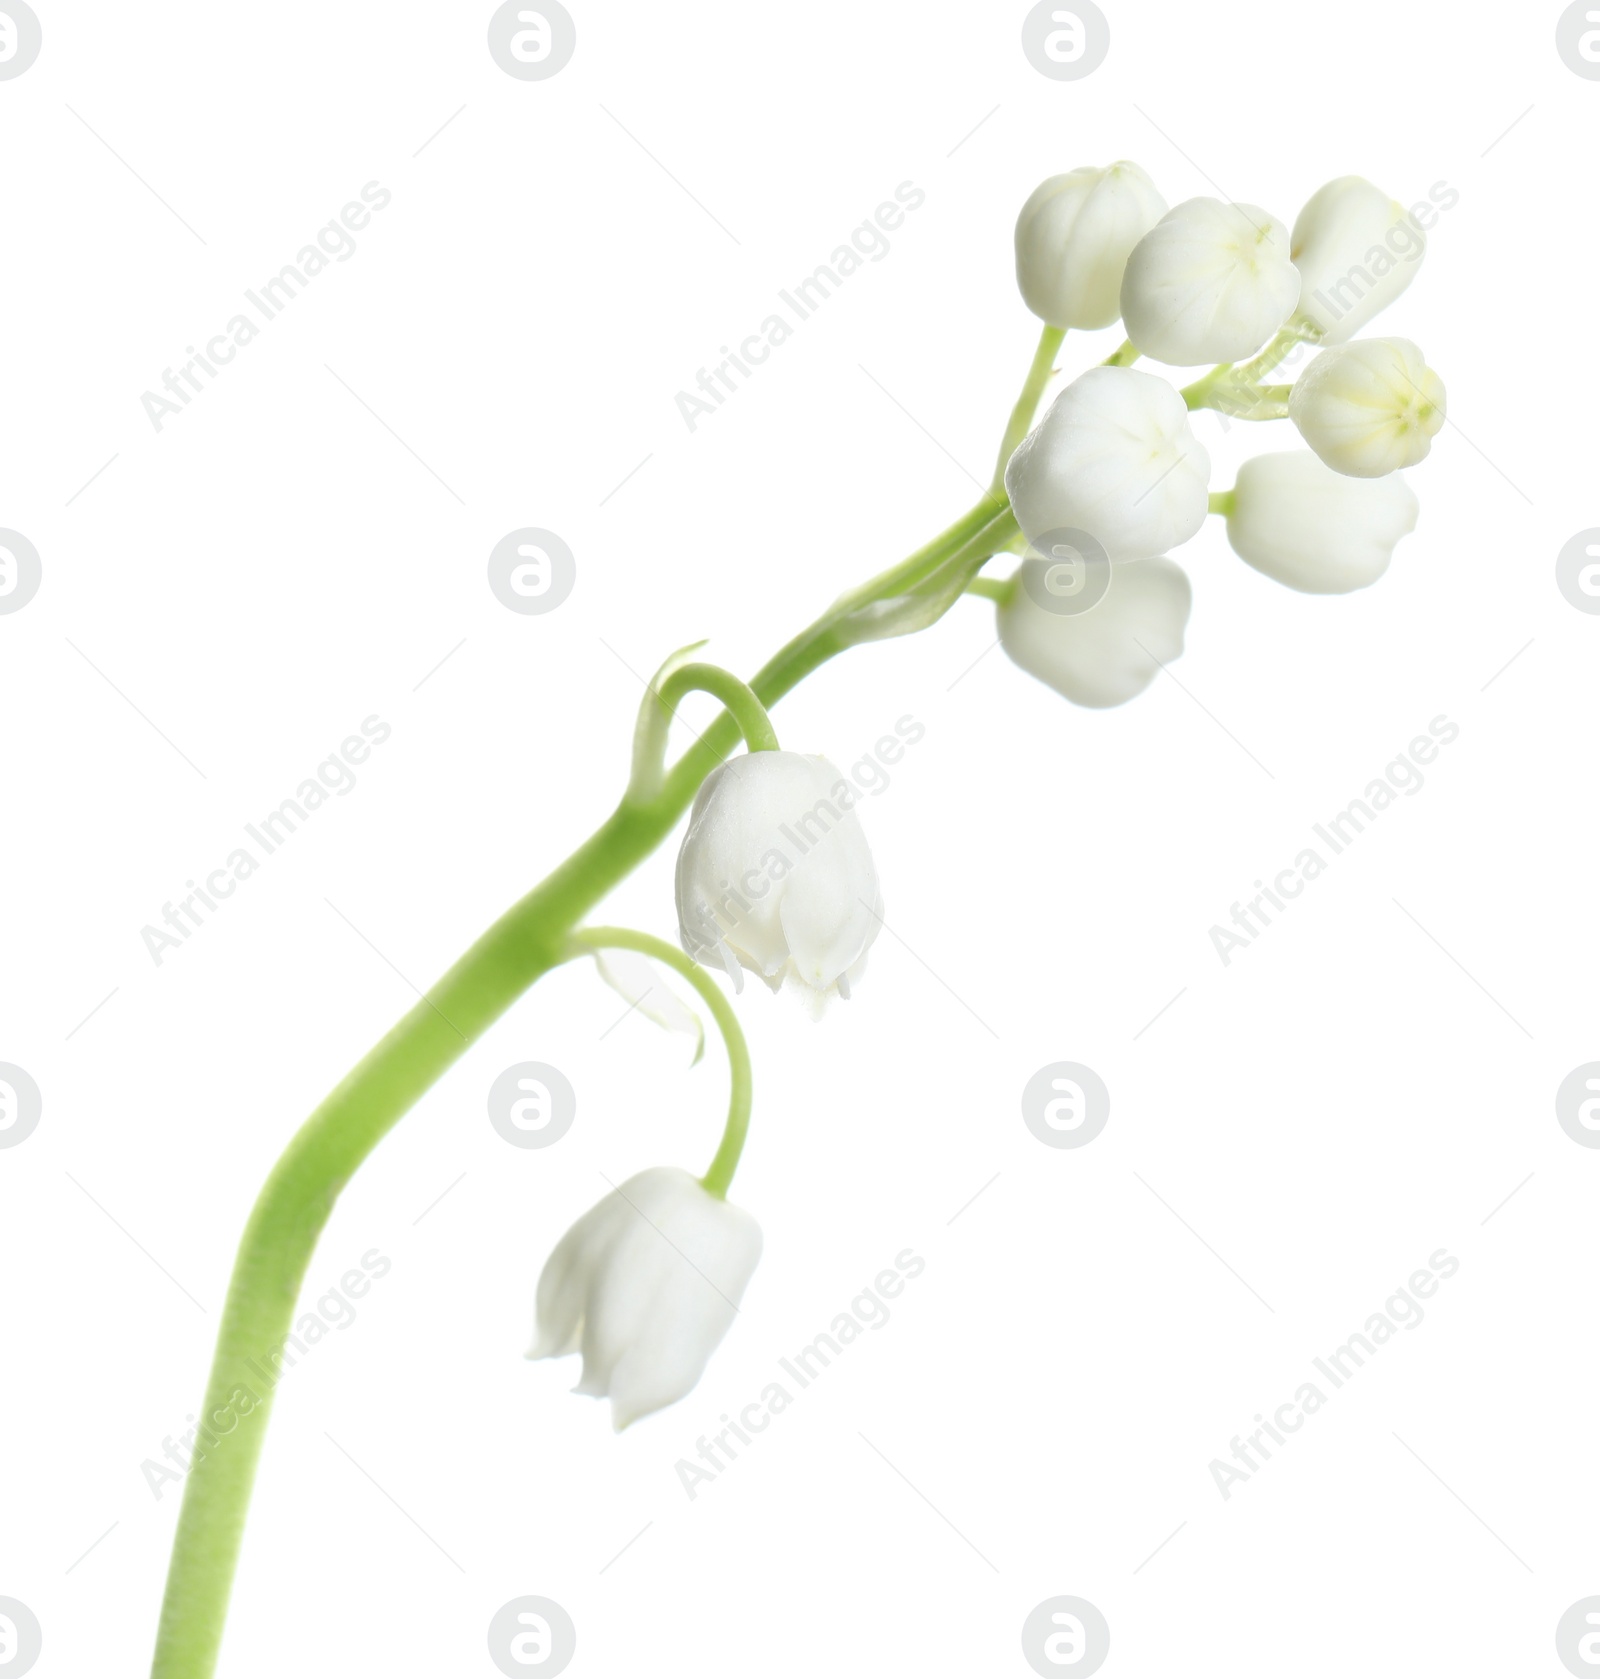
(1073, 239)
(1114, 458)
(645, 1285)
(1357, 249)
(1110, 653)
(1314, 529)
(1209, 282)
(775, 874)
(1369, 408)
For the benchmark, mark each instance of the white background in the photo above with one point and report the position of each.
(274, 566)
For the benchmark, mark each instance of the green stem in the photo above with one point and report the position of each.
(998, 589)
(720, 1172)
(743, 706)
(661, 701)
(1222, 501)
(532, 937)
(1125, 355)
(1239, 399)
(1246, 375)
(1027, 404)
(298, 1197)
(1199, 394)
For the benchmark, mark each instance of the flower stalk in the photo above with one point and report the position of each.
(1027, 404)
(1114, 467)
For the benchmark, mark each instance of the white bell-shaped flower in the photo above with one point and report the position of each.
(1073, 239)
(1109, 653)
(1357, 249)
(1209, 282)
(1114, 459)
(1370, 407)
(1314, 529)
(645, 1285)
(775, 874)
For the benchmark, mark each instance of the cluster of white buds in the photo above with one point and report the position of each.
(1114, 471)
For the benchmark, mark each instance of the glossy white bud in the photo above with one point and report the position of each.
(1314, 529)
(645, 1285)
(1370, 407)
(1357, 249)
(775, 874)
(1115, 459)
(1107, 654)
(1073, 239)
(1209, 282)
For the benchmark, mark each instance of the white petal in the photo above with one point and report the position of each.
(634, 976)
(714, 1250)
(569, 1276)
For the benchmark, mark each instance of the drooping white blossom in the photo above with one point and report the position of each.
(1314, 529)
(645, 1285)
(775, 874)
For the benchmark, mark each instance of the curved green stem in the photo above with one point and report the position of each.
(1125, 355)
(743, 706)
(532, 937)
(720, 1172)
(299, 1195)
(660, 702)
(1027, 404)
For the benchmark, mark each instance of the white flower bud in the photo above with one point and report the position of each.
(775, 875)
(1315, 529)
(1106, 655)
(1113, 459)
(1356, 250)
(1369, 408)
(1073, 238)
(645, 1285)
(1209, 282)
